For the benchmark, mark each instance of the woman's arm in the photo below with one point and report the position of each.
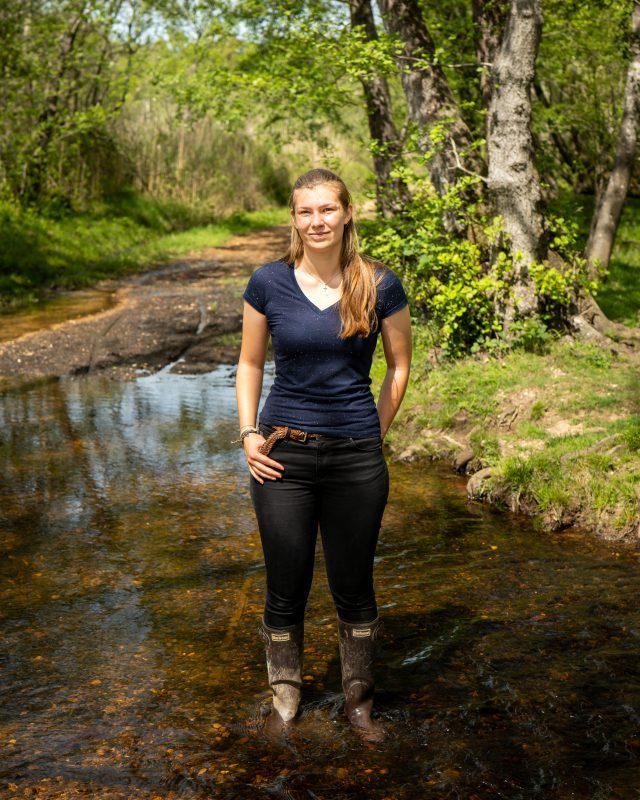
(249, 377)
(396, 341)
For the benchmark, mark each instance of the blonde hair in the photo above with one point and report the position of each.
(360, 275)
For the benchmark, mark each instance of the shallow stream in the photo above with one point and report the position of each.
(131, 586)
(47, 313)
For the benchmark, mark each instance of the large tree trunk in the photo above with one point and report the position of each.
(431, 102)
(608, 210)
(391, 193)
(512, 180)
(489, 17)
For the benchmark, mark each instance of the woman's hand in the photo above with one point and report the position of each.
(260, 466)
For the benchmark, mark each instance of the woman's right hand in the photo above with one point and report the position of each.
(260, 466)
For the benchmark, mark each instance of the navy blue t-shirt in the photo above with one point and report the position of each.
(322, 382)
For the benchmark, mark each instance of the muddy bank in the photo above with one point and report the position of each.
(188, 311)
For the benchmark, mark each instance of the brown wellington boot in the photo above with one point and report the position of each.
(357, 651)
(284, 669)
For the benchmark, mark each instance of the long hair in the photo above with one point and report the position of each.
(360, 275)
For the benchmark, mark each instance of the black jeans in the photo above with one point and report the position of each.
(340, 486)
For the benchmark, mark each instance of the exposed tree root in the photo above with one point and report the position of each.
(590, 323)
(597, 447)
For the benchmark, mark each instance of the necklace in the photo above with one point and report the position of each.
(325, 286)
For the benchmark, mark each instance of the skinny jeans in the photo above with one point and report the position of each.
(337, 486)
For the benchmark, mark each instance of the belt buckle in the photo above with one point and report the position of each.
(304, 437)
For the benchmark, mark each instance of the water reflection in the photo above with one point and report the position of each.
(130, 593)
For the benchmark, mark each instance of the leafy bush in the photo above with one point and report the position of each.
(461, 282)
(444, 275)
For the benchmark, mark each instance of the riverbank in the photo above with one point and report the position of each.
(186, 313)
(553, 435)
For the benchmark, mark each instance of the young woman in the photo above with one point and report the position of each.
(316, 457)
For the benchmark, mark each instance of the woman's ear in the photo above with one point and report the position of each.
(349, 214)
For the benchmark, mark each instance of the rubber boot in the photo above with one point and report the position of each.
(284, 669)
(357, 651)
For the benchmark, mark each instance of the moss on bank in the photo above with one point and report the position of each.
(554, 435)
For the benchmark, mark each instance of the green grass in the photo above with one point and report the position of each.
(561, 431)
(60, 249)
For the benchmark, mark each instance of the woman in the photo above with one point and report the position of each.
(316, 458)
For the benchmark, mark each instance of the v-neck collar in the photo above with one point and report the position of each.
(307, 299)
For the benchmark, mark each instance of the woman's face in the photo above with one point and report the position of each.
(319, 217)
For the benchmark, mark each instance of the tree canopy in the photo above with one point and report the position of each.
(467, 117)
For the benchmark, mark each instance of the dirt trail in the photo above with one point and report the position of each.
(188, 311)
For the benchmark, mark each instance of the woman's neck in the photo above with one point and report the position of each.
(321, 265)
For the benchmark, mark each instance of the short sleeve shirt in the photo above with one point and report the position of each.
(322, 382)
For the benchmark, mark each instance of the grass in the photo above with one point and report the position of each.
(61, 249)
(560, 431)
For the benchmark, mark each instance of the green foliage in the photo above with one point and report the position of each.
(619, 296)
(461, 282)
(619, 290)
(580, 81)
(69, 250)
(445, 276)
(64, 74)
(558, 286)
(586, 355)
(214, 106)
(561, 431)
(531, 335)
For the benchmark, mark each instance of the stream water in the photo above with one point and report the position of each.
(131, 586)
(53, 311)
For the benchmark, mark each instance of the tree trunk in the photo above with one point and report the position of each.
(608, 210)
(391, 193)
(489, 17)
(431, 102)
(512, 180)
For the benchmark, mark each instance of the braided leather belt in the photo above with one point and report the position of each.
(284, 432)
